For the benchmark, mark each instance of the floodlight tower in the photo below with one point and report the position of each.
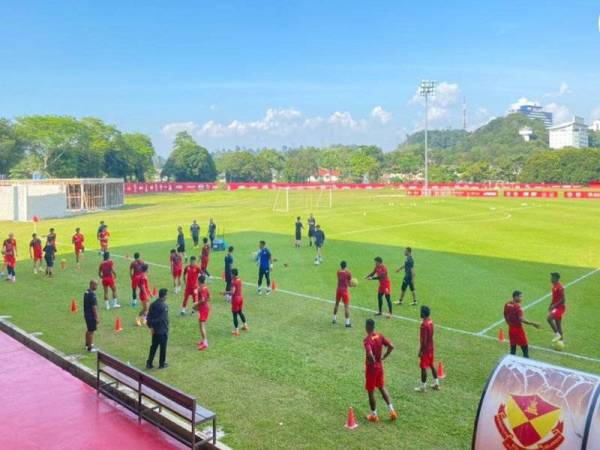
(426, 90)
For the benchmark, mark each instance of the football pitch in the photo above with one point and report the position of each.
(289, 381)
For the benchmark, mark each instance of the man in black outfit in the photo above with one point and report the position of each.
(158, 322)
(90, 314)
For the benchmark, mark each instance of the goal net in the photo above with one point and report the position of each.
(286, 198)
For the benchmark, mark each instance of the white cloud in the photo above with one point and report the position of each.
(562, 90)
(381, 114)
(522, 102)
(561, 113)
(171, 129)
(446, 96)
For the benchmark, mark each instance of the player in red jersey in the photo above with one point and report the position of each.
(176, 269)
(557, 307)
(103, 237)
(344, 278)
(204, 257)
(107, 273)
(513, 314)
(190, 273)
(237, 303)
(9, 252)
(135, 270)
(374, 376)
(203, 308)
(35, 252)
(426, 351)
(145, 295)
(385, 287)
(78, 243)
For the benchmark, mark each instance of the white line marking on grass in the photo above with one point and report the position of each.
(410, 319)
(541, 299)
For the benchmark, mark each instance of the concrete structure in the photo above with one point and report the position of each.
(535, 111)
(569, 134)
(526, 133)
(595, 126)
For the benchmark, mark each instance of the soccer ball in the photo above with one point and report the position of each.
(559, 346)
(353, 282)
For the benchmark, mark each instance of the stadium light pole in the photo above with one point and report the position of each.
(426, 90)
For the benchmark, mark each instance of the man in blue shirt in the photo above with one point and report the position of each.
(195, 230)
(227, 273)
(265, 264)
(319, 237)
(409, 277)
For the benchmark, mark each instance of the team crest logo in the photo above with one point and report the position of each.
(528, 422)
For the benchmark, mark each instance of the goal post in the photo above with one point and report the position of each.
(282, 202)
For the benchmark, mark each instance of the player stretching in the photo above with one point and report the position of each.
(228, 273)
(203, 307)
(190, 273)
(176, 270)
(319, 237)
(204, 257)
(344, 278)
(142, 280)
(195, 232)
(385, 288)
(35, 252)
(298, 236)
(78, 241)
(426, 352)
(103, 237)
(513, 314)
(237, 304)
(557, 307)
(135, 270)
(409, 277)
(374, 376)
(181, 244)
(265, 264)
(107, 273)
(9, 250)
(311, 221)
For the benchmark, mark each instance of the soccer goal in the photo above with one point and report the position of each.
(325, 197)
(286, 197)
(282, 200)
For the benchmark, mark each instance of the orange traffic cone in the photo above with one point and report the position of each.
(74, 308)
(351, 422)
(501, 335)
(273, 285)
(154, 292)
(440, 371)
(118, 325)
(63, 264)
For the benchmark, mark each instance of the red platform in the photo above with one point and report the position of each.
(42, 406)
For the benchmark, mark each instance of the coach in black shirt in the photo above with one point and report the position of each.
(90, 314)
(158, 322)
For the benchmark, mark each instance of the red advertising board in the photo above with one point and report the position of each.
(301, 186)
(148, 188)
(531, 194)
(582, 195)
(453, 193)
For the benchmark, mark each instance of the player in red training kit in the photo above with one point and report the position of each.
(107, 273)
(237, 303)
(145, 296)
(176, 269)
(103, 236)
(135, 270)
(204, 257)
(9, 251)
(374, 376)
(35, 252)
(190, 273)
(344, 278)
(385, 287)
(426, 351)
(557, 307)
(513, 314)
(78, 244)
(203, 308)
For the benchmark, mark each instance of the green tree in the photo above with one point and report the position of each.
(300, 165)
(11, 149)
(244, 165)
(189, 161)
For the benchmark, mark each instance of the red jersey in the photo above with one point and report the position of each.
(374, 344)
(10, 247)
(558, 293)
(106, 268)
(103, 236)
(381, 273)
(426, 335)
(142, 284)
(513, 315)
(236, 289)
(36, 246)
(191, 273)
(135, 268)
(204, 294)
(205, 252)
(344, 278)
(51, 239)
(78, 240)
(176, 262)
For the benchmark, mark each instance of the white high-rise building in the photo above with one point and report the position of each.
(569, 134)
(595, 126)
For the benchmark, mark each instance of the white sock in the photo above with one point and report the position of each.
(107, 303)
(391, 407)
(334, 318)
(558, 335)
(374, 412)
(424, 385)
(347, 321)
(436, 381)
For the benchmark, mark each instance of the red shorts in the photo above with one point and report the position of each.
(144, 295)
(135, 282)
(103, 245)
(37, 256)
(517, 336)
(342, 295)
(557, 313)
(79, 249)
(426, 360)
(203, 312)
(385, 288)
(374, 377)
(237, 303)
(108, 282)
(10, 260)
(203, 265)
(177, 272)
(191, 291)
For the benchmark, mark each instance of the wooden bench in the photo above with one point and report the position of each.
(150, 399)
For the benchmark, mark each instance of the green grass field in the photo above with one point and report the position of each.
(289, 381)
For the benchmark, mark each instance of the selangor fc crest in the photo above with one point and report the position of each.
(528, 422)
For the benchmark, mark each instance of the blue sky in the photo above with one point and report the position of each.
(296, 72)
